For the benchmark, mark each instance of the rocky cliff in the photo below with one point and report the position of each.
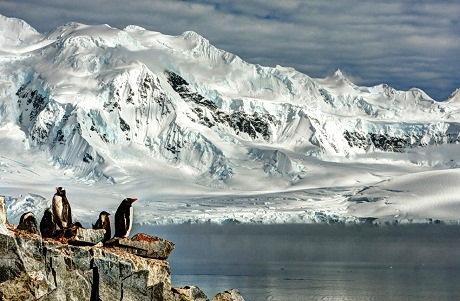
(34, 268)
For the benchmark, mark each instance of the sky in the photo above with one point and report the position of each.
(403, 43)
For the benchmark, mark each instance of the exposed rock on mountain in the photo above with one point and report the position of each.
(103, 90)
(183, 123)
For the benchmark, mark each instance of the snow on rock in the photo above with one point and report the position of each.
(15, 33)
(29, 203)
(277, 163)
(411, 197)
(454, 98)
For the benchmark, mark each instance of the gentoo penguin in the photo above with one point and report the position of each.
(47, 225)
(124, 218)
(103, 222)
(28, 223)
(61, 209)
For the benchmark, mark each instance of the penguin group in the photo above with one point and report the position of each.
(57, 219)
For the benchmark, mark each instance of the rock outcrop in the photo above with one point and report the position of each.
(32, 268)
(48, 269)
(189, 293)
(230, 295)
(145, 245)
(83, 236)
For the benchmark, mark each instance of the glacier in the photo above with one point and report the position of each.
(200, 135)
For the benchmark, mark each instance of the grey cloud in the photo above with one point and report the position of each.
(404, 43)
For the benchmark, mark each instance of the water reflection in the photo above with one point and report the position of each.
(318, 262)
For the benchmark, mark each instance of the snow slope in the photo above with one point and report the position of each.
(201, 135)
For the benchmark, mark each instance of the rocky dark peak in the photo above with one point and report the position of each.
(393, 143)
(30, 101)
(182, 88)
(255, 125)
(43, 120)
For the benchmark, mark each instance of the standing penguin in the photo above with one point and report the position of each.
(28, 223)
(61, 209)
(47, 225)
(124, 218)
(103, 222)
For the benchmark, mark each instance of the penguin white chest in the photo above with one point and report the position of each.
(58, 205)
(130, 221)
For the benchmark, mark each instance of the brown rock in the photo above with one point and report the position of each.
(144, 245)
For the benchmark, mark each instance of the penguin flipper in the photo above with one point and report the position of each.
(68, 213)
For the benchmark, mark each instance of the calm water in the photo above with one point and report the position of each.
(318, 262)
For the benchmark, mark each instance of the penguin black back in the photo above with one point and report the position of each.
(103, 222)
(124, 218)
(47, 225)
(28, 223)
(78, 225)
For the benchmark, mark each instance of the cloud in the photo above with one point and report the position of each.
(404, 43)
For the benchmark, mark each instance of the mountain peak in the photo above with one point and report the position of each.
(16, 32)
(194, 36)
(454, 96)
(338, 73)
(340, 78)
(134, 28)
(420, 92)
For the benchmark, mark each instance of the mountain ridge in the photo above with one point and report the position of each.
(132, 107)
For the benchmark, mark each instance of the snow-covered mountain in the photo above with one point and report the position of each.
(196, 131)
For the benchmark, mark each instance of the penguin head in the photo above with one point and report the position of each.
(131, 200)
(48, 213)
(78, 225)
(104, 213)
(25, 216)
(60, 191)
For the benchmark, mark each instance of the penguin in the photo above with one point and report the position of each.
(124, 218)
(28, 223)
(78, 225)
(61, 209)
(103, 222)
(47, 225)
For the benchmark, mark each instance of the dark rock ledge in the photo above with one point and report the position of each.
(80, 268)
